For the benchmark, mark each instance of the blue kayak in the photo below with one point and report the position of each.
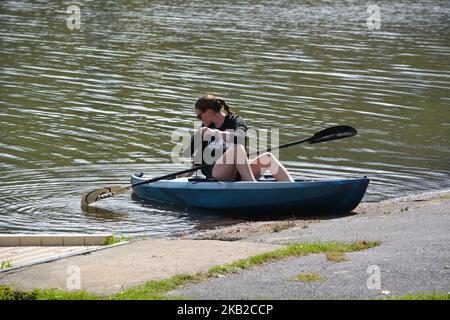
(331, 196)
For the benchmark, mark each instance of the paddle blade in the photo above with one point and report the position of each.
(103, 193)
(333, 133)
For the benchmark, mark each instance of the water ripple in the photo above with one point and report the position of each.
(87, 108)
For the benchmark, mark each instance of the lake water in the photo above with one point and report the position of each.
(86, 108)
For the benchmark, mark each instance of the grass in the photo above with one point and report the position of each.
(151, 290)
(424, 296)
(10, 294)
(7, 293)
(158, 289)
(6, 265)
(336, 257)
(295, 249)
(114, 239)
(444, 197)
(308, 277)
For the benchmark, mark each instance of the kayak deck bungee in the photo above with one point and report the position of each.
(330, 196)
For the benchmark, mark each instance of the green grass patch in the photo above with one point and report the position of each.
(53, 294)
(6, 265)
(444, 197)
(114, 239)
(336, 257)
(158, 289)
(295, 249)
(7, 293)
(425, 296)
(308, 277)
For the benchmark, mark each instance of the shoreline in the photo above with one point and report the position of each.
(250, 229)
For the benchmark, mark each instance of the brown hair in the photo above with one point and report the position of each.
(212, 102)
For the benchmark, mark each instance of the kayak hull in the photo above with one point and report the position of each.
(332, 196)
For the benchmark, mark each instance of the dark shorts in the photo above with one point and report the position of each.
(209, 169)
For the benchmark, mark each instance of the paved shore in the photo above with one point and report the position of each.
(413, 257)
(110, 271)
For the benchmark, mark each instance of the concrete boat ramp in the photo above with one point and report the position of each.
(21, 250)
(106, 272)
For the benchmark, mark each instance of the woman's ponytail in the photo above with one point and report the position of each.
(224, 105)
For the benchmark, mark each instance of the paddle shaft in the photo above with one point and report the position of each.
(170, 175)
(286, 145)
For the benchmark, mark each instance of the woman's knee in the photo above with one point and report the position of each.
(266, 159)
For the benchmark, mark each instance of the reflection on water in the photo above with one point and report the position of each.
(86, 109)
(202, 219)
(102, 214)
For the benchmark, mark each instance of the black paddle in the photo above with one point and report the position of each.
(332, 133)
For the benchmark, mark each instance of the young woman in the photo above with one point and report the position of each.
(232, 164)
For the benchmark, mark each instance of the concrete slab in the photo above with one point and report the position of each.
(112, 270)
(13, 240)
(18, 257)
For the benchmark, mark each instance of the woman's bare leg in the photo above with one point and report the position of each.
(233, 160)
(243, 164)
(268, 161)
